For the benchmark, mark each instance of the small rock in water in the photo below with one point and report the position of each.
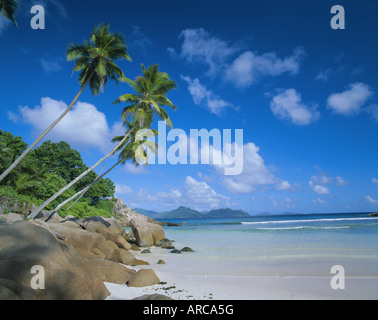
(175, 251)
(187, 249)
(146, 251)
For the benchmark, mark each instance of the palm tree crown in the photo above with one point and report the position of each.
(8, 8)
(151, 90)
(94, 58)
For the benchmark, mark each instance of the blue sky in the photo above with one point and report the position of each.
(304, 94)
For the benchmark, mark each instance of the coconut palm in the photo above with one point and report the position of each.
(94, 59)
(150, 98)
(132, 147)
(8, 8)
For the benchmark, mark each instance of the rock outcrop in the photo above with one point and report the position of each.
(67, 274)
(126, 214)
(77, 256)
(147, 234)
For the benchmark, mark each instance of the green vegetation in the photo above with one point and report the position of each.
(48, 168)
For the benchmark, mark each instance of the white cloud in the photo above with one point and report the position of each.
(374, 181)
(371, 200)
(219, 56)
(200, 46)
(318, 200)
(122, 189)
(341, 182)
(195, 194)
(250, 67)
(288, 105)
(320, 189)
(283, 185)
(51, 65)
(83, 126)
(255, 173)
(324, 75)
(133, 169)
(350, 101)
(318, 183)
(201, 95)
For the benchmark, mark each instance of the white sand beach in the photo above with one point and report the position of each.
(182, 279)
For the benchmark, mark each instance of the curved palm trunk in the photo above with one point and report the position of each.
(56, 195)
(81, 193)
(30, 148)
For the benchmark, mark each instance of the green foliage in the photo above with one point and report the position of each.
(66, 163)
(13, 144)
(10, 192)
(58, 158)
(83, 210)
(27, 176)
(52, 183)
(106, 205)
(150, 98)
(95, 58)
(46, 170)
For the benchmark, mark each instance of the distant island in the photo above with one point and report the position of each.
(187, 213)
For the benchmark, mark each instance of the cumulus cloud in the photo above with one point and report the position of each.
(195, 194)
(250, 67)
(350, 101)
(202, 96)
(283, 185)
(84, 125)
(250, 166)
(288, 106)
(224, 59)
(122, 189)
(319, 189)
(255, 173)
(201, 47)
(318, 183)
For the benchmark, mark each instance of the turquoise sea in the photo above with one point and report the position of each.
(281, 245)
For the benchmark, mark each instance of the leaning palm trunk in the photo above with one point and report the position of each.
(51, 199)
(81, 193)
(30, 148)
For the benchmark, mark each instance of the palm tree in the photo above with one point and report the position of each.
(150, 98)
(131, 147)
(8, 8)
(94, 59)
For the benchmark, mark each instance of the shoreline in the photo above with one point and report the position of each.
(184, 285)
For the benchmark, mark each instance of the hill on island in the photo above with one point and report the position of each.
(187, 213)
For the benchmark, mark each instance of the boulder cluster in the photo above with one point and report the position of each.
(76, 255)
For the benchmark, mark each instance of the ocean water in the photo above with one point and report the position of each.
(282, 245)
